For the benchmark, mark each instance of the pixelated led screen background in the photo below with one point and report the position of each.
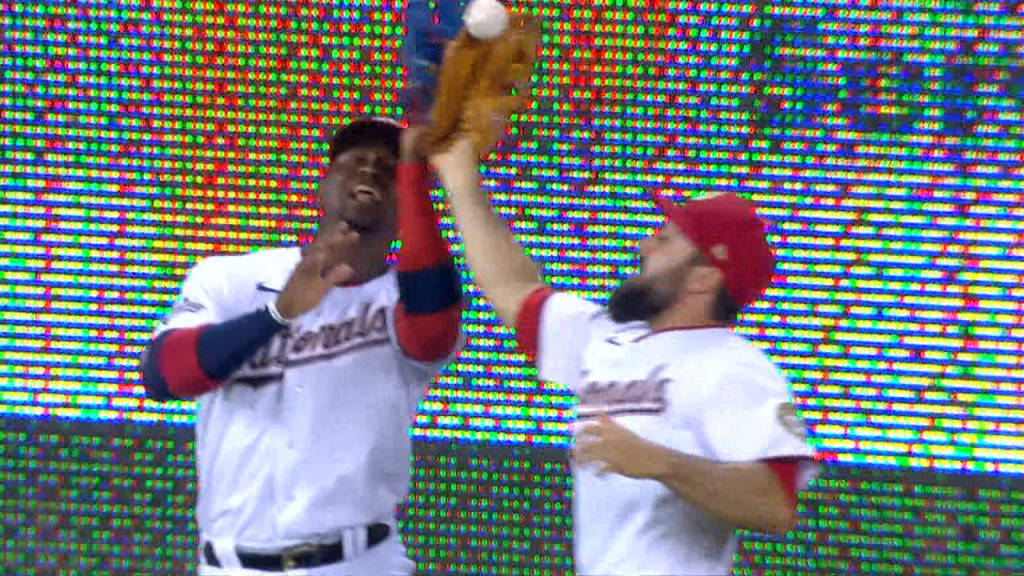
(883, 140)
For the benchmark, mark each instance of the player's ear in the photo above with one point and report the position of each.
(704, 279)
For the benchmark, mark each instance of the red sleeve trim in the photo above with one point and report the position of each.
(179, 364)
(785, 469)
(422, 244)
(528, 321)
(428, 337)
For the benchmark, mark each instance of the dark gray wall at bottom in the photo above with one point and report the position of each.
(82, 498)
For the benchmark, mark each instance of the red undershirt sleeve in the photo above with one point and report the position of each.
(785, 469)
(429, 313)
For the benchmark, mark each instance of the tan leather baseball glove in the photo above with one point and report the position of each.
(482, 83)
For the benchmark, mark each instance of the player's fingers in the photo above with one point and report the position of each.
(583, 460)
(338, 274)
(341, 241)
(333, 246)
(339, 227)
(340, 231)
(587, 434)
(588, 450)
(592, 432)
(339, 254)
(349, 238)
(313, 258)
(580, 453)
(331, 235)
(588, 456)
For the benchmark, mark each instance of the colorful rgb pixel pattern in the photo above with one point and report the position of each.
(108, 499)
(884, 141)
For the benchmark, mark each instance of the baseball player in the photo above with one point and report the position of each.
(685, 429)
(308, 364)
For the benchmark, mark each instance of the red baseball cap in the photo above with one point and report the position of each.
(729, 233)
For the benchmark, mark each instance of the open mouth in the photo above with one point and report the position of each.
(366, 193)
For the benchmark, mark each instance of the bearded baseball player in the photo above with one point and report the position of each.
(685, 429)
(308, 364)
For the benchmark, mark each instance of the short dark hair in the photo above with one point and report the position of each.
(724, 309)
(364, 131)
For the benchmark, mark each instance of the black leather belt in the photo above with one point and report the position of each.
(301, 556)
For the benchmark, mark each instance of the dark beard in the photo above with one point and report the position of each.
(636, 300)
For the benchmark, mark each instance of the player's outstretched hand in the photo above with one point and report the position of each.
(609, 447)
(323, 266)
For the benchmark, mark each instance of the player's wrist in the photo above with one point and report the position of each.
(412, 145)
(459, 156)
(277, 315)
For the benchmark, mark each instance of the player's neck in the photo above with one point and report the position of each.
(368, 270)
(683, 317)
(369, 259)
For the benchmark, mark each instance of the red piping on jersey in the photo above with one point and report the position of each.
(678, 329)
(179, 364)
(528, 320)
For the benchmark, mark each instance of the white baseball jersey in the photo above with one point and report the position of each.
(705, 392)
(312, 433)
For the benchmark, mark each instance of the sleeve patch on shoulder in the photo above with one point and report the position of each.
(787, 416)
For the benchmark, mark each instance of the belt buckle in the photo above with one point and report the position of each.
(290, 556)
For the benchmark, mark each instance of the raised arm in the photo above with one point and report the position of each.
(500, 266)
(430, 294)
